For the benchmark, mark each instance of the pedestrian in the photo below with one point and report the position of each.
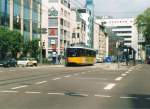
(59, 59)
(54, 57)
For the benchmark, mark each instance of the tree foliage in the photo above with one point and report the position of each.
(143, 24)
(10, 42)
(31, 48)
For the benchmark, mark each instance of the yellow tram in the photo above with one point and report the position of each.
(80, 56)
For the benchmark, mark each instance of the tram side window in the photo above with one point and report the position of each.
(93, 53)
(71, 53)
(74, 52)
(87, 52)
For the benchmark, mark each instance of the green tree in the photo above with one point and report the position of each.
(143, 24)
(31, 48)
(10, 42)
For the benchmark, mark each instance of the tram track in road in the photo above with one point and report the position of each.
(33, 77)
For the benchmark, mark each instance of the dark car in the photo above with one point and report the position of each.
(148, 60)
(8, 62)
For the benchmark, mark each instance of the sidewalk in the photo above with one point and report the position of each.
(105, 66)
(112, 66)
(51, 65)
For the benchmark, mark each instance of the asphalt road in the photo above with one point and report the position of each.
(87, 87)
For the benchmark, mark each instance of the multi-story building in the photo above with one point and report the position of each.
(21, 15)
(90, 7)
(86, 16)
(78, 28)
(100, 41)
(124, 28)
(58, 26)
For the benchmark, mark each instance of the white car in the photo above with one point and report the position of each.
(27, 62)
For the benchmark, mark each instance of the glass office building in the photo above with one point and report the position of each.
(90, 6)
(21, 15)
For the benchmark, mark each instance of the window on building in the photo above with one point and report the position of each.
(62, 11)
(78, 35)
(62, 22)
(53, 31)
(62, 1)
(52, 22)
(52, 42)
(65, 13)
(69, 5)
(73, 35)
(124, 27)
(50, 1)
(4, 16)
(129, 41)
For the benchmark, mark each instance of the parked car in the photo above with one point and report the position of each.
(99, 60)
(10, 62)
(27, 62)
(148, 60)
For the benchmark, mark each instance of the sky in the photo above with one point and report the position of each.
(118, 8)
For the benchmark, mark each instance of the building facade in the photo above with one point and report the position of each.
(90, 8)
(78, 28)
(87, 17)
(58, 27)
(100, 41)
(21, 15)
(123, 28)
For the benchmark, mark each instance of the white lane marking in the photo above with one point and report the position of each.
(123, 97)
(28, 92)
(67, 76)
(147, 98)
(103, 96)
(7, 91)
(109, 86)
(56, 79)
(124, 75)
(119, 78)
(37, 83)
(56, 94)
(19, 87)
(130, 70)
(127, 72)
(93, 78)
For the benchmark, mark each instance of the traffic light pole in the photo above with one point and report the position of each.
(41, 45)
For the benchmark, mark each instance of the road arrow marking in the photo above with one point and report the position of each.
(124, 75)
(109, 86)
(119, 78)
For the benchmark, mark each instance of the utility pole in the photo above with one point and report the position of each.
(41, 45)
